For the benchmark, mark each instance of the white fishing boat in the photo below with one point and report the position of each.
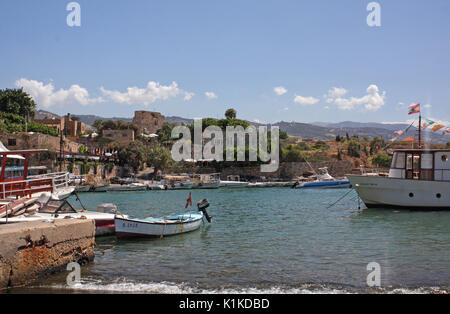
(206, 181)
(133, 187)
(233, 182)
(418, 179)
(180, 186)
(156, 187)
(323, 180)
(46, 208)
(164, 226)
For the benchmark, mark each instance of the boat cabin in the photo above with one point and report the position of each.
(420, 164)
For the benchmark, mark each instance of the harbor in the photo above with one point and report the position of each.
(240, 148)
(272, 240)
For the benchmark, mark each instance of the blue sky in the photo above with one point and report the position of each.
(329, 64)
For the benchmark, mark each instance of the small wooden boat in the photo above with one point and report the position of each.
(164, 226)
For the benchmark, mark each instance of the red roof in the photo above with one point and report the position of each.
(408, 139)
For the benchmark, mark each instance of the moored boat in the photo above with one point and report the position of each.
(323, 180)
(164, 226)
(418, 179)
(127, 187)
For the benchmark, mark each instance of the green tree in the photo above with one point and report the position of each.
(354, 148)
(159, 157)
(376, 144)
(382, 160)
(16, 101)
(133, 154)
(231, 114)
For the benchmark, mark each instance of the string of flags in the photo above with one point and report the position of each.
(427, 123)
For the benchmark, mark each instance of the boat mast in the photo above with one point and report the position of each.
(420, 130)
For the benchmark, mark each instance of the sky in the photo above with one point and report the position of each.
(271, 60)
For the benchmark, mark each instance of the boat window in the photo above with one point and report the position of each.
(416, 162)
(409, 162)
(444, 158)
(399, 161)
(427, 161)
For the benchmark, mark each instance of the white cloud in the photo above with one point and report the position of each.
(280, 90)
(152, 92)
(306, 100)
(428, 106)
(373, 101)
(326, 107)
(211, 95)
(337, 92)
(286, 108)
(46, 96)
(188, 96)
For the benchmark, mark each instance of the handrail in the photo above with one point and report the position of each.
(33, 184)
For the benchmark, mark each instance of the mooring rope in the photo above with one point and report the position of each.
(340, 199)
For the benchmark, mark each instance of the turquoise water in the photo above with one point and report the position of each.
(275, 240)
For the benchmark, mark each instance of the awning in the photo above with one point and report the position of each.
(4, 149)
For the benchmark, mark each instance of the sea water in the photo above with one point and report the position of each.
(267, 240)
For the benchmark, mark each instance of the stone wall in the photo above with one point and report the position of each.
(38, 141)
(119, 135)
(286, 171)
(148, 121)
(32, 250)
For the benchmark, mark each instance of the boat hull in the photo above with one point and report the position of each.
(127, 188)
(385, 192)
(325, 185)
(129, 228)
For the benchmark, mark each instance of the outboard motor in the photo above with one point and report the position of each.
(202, 206)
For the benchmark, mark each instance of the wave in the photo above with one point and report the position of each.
(124, 286)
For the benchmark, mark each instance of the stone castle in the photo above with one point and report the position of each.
(149, 122)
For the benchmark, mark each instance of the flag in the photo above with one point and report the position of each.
(446, 131)
(427, 123)
(414, 109)
(189, 201)
(437, 127)
(398, 132)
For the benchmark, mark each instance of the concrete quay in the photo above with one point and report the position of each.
(32, 250)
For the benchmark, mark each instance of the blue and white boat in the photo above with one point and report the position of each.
(323, 181)
(164, 226)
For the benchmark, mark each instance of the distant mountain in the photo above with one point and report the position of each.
(42, 114)
(351, 124)
(319, 130)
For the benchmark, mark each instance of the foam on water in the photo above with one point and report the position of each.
(124, 286)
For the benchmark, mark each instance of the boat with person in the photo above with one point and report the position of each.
(418, 179)
(323, 180)
(163, 226)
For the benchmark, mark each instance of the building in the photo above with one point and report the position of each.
(149, 122)
(32, 140)
(119, 135)
(70, 126)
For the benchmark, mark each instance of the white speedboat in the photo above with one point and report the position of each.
(180, 186)
(418, 179)
(323, 181)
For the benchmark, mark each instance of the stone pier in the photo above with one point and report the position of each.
(31, 250)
